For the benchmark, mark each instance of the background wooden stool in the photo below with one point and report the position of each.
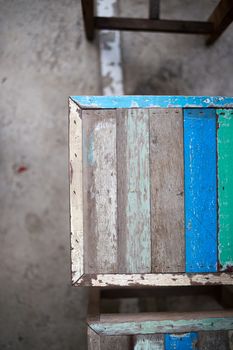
(214, 27)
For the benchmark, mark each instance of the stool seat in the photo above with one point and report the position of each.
(151, 196)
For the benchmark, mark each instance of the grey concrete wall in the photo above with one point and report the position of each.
(44, 58)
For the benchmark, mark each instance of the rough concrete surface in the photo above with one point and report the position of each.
(44, 58)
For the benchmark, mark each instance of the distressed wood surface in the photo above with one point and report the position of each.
(167, 190)
(186, 341)
(200, 190)
(115, 342)
(93, 340)
(100, 191)
(225, 188)
(76, 191)
(218, 340)
(148, 342)
(113, 102)
(133, 176)
(150, 323)
(160, 279)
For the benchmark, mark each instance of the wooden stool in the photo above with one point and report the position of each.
(151, 200)
(214, 27)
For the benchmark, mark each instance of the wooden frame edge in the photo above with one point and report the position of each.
(154, 280)
(76, 191)
(161, 322)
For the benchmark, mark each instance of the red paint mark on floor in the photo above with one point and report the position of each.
(21, 169)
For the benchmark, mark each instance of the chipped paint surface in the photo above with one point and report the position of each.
(104, 156)
(153, 101)
(225, 188)
(154, 342)
(110, 51)
(162, 326)
(161, 279)
(200, 190)
(76, 191)
(138, 243)
(186, 341)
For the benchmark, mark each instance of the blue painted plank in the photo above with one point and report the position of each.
(200, 190)
(186, 341)
(152, 101)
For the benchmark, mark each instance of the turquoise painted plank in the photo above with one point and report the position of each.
(133, 171)
(225, 188)
(186, 341)
(200, 190)
(162, 326)
(152, 101)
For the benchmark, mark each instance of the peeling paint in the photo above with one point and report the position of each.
(153, 101)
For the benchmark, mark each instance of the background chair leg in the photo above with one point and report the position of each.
(221, 18)
(88, 15)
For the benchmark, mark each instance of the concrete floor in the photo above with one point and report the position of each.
(44, 59)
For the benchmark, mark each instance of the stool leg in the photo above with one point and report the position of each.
(154, 7)
(221, 18)
(88, 16)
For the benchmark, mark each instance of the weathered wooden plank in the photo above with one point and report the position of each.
(100, 191)
(200, 190)
(151, 323)
(225, 188)
(167, 190)
(113, 102)
(93, 340)
(148, 342)
(115, 342)
(133, 186)
(159, 279)
(186, 341)
(76, 191)
(213, 340)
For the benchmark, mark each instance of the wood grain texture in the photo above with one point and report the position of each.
(160, 279)
(115, 342)
(167, 190)
(133, 191)
(213, 340)
(76, 191)
(200, 190)
(100, 191)
(186, 341)
(151, 323)
(93, 340)
(148, 342)
(225, 188)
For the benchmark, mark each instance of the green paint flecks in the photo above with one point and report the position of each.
(225, 188)
(138, 201)
(164, 326)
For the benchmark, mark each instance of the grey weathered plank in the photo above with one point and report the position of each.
(100, 191)
(167, 190)
(133, 191)
(214, 340)
(115, 342)
(148, 342)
